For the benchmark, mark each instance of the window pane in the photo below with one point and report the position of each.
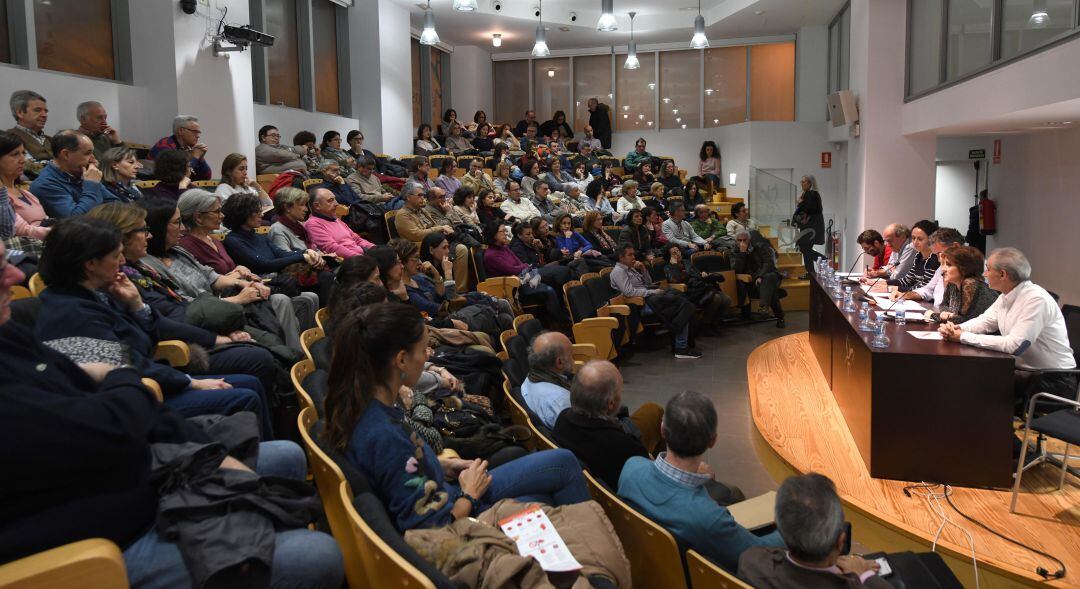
(834, 58)
(772, 82)
(436, 87)
(969, 36)
(511, 91)
(5, 40)
(680, 81)
(417, 106)
(75, 36)
(633, 93)
(324, 24)
(1026, 28)
(551, 87)
(924, 55)
(725, 76)
(283, 58)
(843, 79)
(592, 79)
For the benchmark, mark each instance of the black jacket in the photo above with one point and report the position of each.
(757, 261)
(602, 444)
(809, 215)
(564, 130)
(77, 452)
(600, 121)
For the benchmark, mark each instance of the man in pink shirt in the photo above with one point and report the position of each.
(330, 234)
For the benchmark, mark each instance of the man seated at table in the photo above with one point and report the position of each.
(902, 257)
(874, 245)
(327, 232)
(671, 490)
(810, 518)
(1030, 324)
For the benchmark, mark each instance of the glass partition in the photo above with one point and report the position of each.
(592, 79)
(680, 82)
(551, 87)
(637, 101)
(771, 202)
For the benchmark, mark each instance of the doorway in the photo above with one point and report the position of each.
(954, 191)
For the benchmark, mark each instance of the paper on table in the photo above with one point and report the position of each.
(927, 335)
(536, 536)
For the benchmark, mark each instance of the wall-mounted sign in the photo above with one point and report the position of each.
(976, 154)
(826, 159)
(997, 151)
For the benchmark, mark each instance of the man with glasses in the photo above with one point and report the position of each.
(517, 208)
(271, 157)
(185, 137)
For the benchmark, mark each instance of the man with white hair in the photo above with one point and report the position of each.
(903, 253)
(94, 123)
(185, 137)
(1030, 325)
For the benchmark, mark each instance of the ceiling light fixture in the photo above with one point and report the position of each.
(626, 107)
(625, 116)
(540, 48)
(708, 92)
(429, 36)
(1039, 17)
(650, 123)
(667, 100)
(699, 41)
(465, 5)
(678, 119)
(551, 73)
(684, 125)
(652, 85)
(607, 23)
(496, 40)
(674, 111)
(632, 62)
(641, 117)
(716, 121)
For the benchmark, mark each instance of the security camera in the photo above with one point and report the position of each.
(496, 5)
(536, 11)
(573, 16)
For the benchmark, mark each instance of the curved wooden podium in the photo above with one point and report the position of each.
(800, 429)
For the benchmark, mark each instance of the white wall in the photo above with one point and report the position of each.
(954, 193)
(811, 67)
(471, 84)
(395, 75)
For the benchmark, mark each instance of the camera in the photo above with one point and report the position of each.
(245, 35)
(573, 16)
(536, 11)
(496, 5)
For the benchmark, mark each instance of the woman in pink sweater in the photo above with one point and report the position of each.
(709, 166)
(327, 233)
(28, 213)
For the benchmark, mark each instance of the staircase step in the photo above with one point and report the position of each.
(798, 298)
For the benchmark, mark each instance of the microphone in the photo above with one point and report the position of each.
(857, 258)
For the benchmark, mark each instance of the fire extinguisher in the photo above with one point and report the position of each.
(833, 246)
(987, 215)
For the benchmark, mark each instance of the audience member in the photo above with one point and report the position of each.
(706, 225)
(389, 172)
(925, 263)
(629, 199)
(304, 144)
(637, 157)
(592, 229)
(464, 200)
(242, 215)
(680, 232)
(500, 260)
(589, 140)
(291, 210)
(1030, 325)
(543, 201)
(740, 220)
(71, 183)
(419, 172)
(506, 137)
(487, 209)
(332, 180)
(759, 261)
(185, 138)
(692, 194)
(31, 112)
(810, 519)
(669, 177)
(644, 176)
(93, 122)
(447, 179)
(809, 219)
(530, 170)
(902, 257)
(631, 279)
(533, 252)
(119, 168)
(654, 224)
(271, 157)
(547, 389)
(456, 143)
(331, 149)
(173, 173)
(529, 141)
(672, 489)
(596, 200)
(703, 291)
(557, 123)
(426, 144)
(366, 185)
(600, 121)
(234, 179)
(414, 222)
(934, 291)
(636, 234)
(523, 124)
(517, 208)
(556, 177)
(200, 212)
(27, 214)
(573, 245)
(966, 294)
(379, 349)
(484, 140)
(327, 232)
(709, 164)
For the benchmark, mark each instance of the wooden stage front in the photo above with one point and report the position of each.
(801, 429)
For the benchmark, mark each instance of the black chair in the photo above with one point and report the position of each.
(605, 333)
(1063, 424)
(315, 385)
(530, 329)
(712, 261)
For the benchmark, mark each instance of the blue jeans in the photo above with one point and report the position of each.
(552, 477)
(246, 395)
(302, 558)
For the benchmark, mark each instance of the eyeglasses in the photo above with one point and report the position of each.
(274, 135)
(143, 229)
(197, 131)
(216, 211)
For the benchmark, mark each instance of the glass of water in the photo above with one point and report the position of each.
(901, 316)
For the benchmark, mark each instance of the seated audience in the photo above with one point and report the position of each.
(706, 225)
(656, 197)
(740, 220)
(530, 169)
(379, 349)
(483, 139)
(638, 235)
(759, 261)
(590, 140)
(934, 291)
(573, 245)
(27, 214)
(456, 143)
(91, 310)
(389, 172)
(476, 178)
(71, 183)
(271, 157)
(580, 173)
(107, 491)
(291, 210)
(464, 200)
(173, 173)
(654, 224)
(447, 180)
(629, 199)
(419, 172)
(365, 184)
(332, 180)
(31, 112)
(966, 294)
(547, 389)
(556, 177)
(500, 260)
(644, 176)
(709, 164)
(557, 123)
(678, 231)
(535, 254)
(185, 138)
(234, 179)
(703, 291)
(479, 119)
(304, 144)
(523, 124)
(426, 144)
(635, 158)
(669, 177)
(331, 149)
(505, 136)
(810, 519)
(414, 222)
(692, 196)
(902, 257)
(592, 230)
(327, 232)
(94, 123)
(874, 245)
(1029, 323)
(631, 279)
(529, 141)
(544, 203)
(672, 489)
(925, 263)
(517, 208)
(596, 200)
(487, 209)
(119, 169)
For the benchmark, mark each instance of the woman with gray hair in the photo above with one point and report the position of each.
(810, 222)
(288, 233)
(119, 168)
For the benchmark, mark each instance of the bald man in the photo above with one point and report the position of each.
(599, 430)
(547, 389)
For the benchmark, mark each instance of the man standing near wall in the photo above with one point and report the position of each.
(600, 121)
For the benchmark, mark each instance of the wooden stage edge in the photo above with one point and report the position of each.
(800, 429)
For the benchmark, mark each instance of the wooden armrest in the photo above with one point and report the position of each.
(596, 333)
(578, 365)
(496, 287)
(608, 310)
(639, 301)
(583, 351)
(678, 287)
(744, 278)
(154, 388)
(598, 322)
(448, 453)
(94, 563)
(173, 351)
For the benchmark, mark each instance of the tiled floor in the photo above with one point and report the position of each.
(653, 374)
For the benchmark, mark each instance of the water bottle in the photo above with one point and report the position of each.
(901, 316)
(865, 322)
(880, 339)
(849, 299)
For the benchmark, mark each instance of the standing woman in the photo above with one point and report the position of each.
(119, 167)
(810, 222)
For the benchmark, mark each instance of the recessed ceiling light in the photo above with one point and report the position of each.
(759, 12)
(564, 29)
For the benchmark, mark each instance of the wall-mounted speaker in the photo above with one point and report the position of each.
(842, 108)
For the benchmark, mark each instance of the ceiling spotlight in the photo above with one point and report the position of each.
(1039, 17)
(667, 100)
(625, 116)
(708, 92)
(652, 85)
(641, 117)
(577, 103)
(607, 23)
(650, 123)
(540, 48)
(496, 40)
(465, 5)
(716, 121)
(632, 62)
(699, 41)
(674, 111)
(626, 107)
(684, 125)
(678, 119)
(429, 36)
(551, 73)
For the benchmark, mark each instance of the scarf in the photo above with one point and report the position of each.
(539, 375)
(7, 215)
(146, 277)
(295, 226)
(606, 242)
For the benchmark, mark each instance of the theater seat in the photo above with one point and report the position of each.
(95, 563)
(705, 573)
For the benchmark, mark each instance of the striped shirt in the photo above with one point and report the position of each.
(921, 272)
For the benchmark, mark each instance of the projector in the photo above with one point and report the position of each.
(244, 36)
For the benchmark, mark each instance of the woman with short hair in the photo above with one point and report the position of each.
(288, 232)
(456, 143)
(26, 213)
(119, 168)
(447, 180)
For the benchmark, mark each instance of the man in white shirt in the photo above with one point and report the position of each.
(1030, 323)
(521, 209)
(903, 253)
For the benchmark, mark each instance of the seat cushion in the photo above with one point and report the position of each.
(1062, 425)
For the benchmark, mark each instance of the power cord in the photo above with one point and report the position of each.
(933, 501)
